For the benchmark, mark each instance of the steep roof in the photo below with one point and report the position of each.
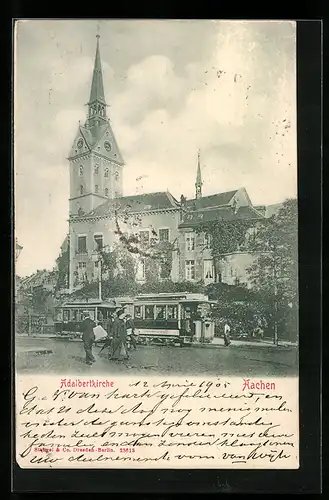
(41, 277)
(214, 200)
(97, 87)
(95, 139)
(65, 244)
(96, 135)
(195, 218)
(137, 203)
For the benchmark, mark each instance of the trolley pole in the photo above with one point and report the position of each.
(96, 257)
(30, 325)
(100, 278)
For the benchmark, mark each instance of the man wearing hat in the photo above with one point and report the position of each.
(88, 336)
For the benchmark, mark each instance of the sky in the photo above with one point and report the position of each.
(227, 88)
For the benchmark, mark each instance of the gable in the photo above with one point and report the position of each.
(105, 144)
(242, 198)
(80, 144)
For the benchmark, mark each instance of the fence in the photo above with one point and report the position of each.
(33, 325)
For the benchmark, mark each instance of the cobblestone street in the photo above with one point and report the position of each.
(236, 360)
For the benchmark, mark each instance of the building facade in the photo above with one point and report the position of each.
(99, 214)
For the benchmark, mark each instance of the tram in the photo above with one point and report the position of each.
(69, 316)
(171, 318)
(177, 319)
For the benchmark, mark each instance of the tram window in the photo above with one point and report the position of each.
(160, 312)
(59, 316)
(65, 315)
(187, 312)
(149, 312)
(172, 312)
(74, 314)
(138, 314)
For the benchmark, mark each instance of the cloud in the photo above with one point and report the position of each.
(227, 109)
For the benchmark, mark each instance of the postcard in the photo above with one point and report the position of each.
(156, 259)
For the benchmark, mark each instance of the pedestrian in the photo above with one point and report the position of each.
(227, 331)
(131, 331)
(119, 331)
(88, 337)
(259, 333)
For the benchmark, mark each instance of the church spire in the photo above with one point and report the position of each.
(198, 183)
(97, 103)
(97, 88)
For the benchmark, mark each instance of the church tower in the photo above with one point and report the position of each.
(95, 160)
(198, 183)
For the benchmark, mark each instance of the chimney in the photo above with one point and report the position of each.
(261, 209)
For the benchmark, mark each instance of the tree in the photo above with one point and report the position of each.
(109, 262)
(63, 263)
(118, 275)
(225, 237)
(274, 273)
(235, 304)
(276, 243)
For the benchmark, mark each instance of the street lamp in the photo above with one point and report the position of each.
(96, 257)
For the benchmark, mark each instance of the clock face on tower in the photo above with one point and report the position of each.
(80, 143)
(107, 146)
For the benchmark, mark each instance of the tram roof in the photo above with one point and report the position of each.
(90, 303)
(185, 296)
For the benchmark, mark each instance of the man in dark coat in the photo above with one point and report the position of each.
(88, 337)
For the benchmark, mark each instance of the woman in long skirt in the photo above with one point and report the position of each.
(118, 347)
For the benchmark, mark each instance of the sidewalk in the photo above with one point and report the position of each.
(216, 342)
(256, 343)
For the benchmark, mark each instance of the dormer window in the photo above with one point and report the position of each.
(81, 170)
(106, 172)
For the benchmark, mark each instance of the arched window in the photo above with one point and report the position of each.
(116, 175)
(96, 169)
(106, 192)
(81, 189)
(106, 172)
(96, 188)
(81, 170)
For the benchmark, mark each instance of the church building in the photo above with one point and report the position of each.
(98, 209)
